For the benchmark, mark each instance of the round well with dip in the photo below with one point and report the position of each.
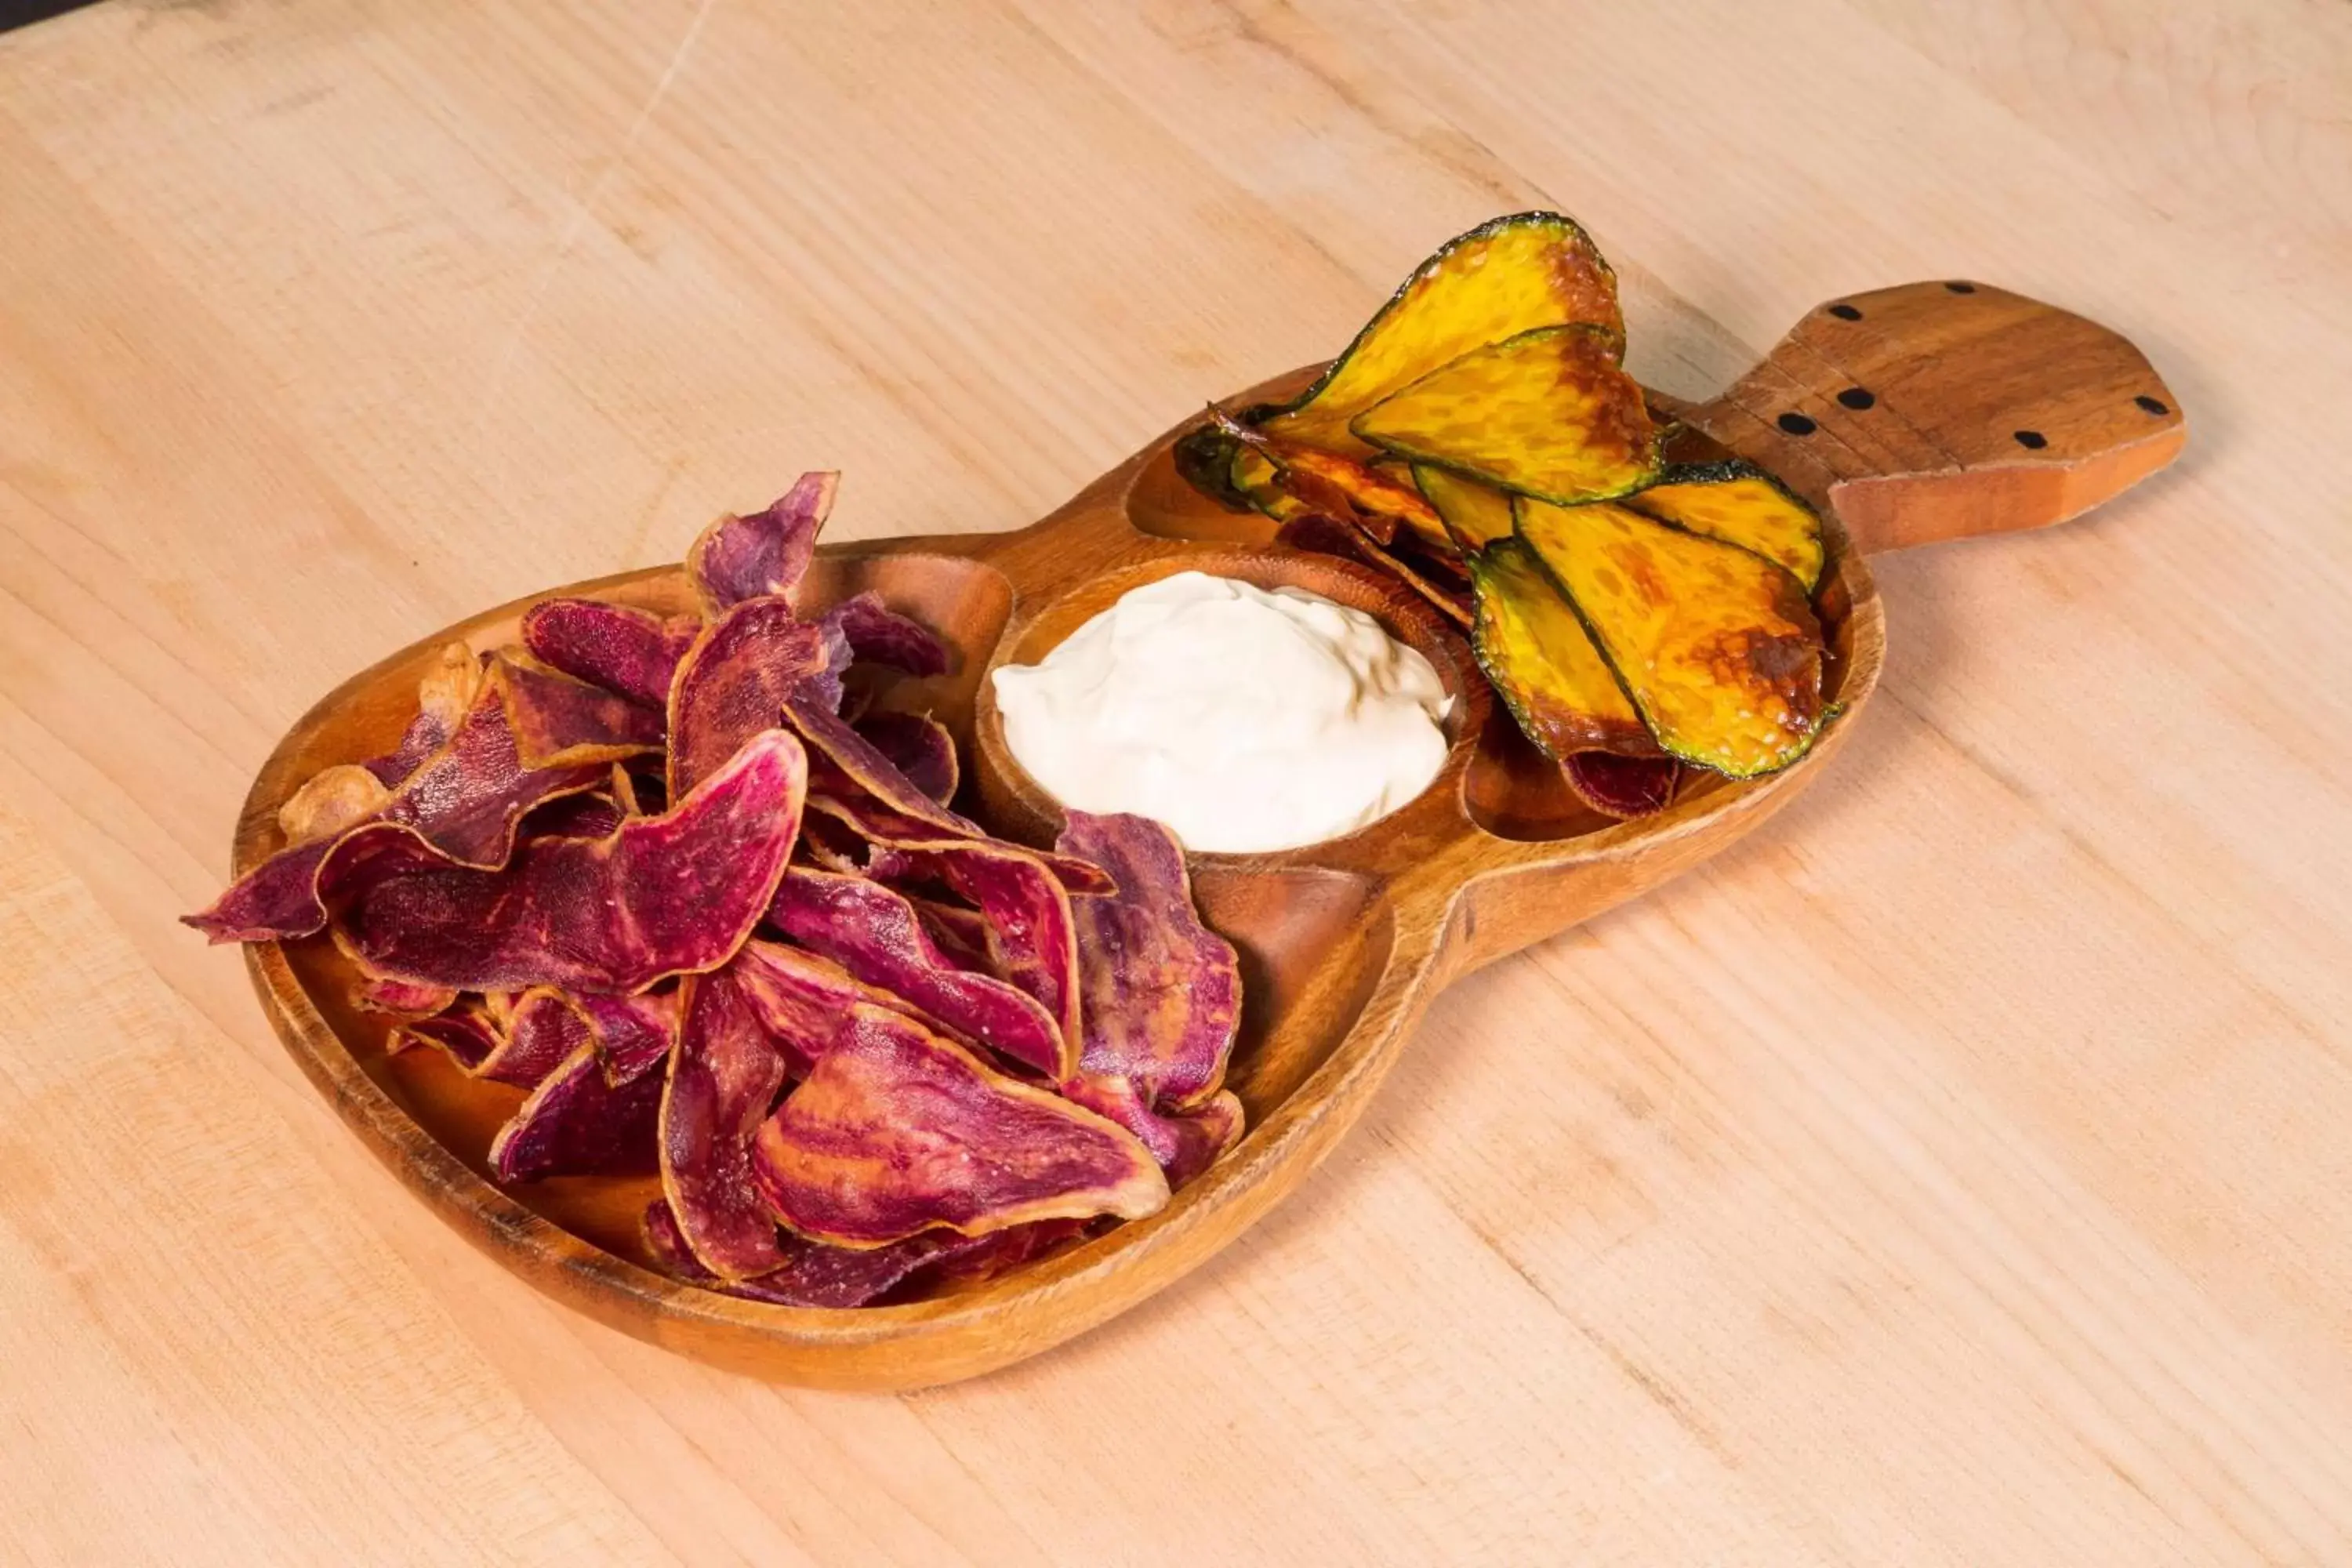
(1248, 720)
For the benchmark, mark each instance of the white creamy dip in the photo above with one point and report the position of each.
(1246, 719)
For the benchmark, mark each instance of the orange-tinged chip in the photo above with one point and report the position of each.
(1716, 646)
(331, 800)
(1343, 488)
(1549, 414)
(1542, 662)
(1474, 514)
(447, 689)
(1741, 504)
(1503, 277)
(1385, 498)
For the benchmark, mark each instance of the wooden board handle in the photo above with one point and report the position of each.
(1936, 411)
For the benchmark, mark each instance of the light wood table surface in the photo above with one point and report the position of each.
(1960, 1171)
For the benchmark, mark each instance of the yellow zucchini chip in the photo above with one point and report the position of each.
(1254, 476)
(1206, 458)
(1542, 662)
(1530, 269)
(1474, 514)
(1718, 647)
(1218, 460)
(1384, 497)
(1741, 504)
(1549, 414)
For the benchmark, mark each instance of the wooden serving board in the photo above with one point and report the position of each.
(1928, 411)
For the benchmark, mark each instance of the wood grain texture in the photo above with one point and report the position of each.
(1952, 1172)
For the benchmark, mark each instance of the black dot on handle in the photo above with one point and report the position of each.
(2151, 405)
(1845, 312)
(2032, 440)
(1962, 288)
(1796, 424)
(1857, 397)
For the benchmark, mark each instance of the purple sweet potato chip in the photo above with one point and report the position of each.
(466, 798)
(665, 895)
(401, 999)
(633, 1033)
(282, 897)
(845, 766)
(1031, 934)
(867, 820)
(618, 646)
(658, 1229)
(817, 1275)
(961, 934)
(732, 684)
(873, 933)
(723, 1076)
(898, 1130)
(920, 746)
(539, 1029)
(803, 999)
(649, 794)
(424, 736)
(466, 1034)
(1001, 1252)
(830, 844)
(592, 814)
(577, 1124)
(879, 825)
(879, 635)
(1184, 1143)
(1201, 1135)
(542, 1032)
(861, 785)
(462, 805)
(827, 686)
(1623, 786)
(813, 1274)
(558, 719)
(1161, 993)
(443, 697)
(739, 558)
